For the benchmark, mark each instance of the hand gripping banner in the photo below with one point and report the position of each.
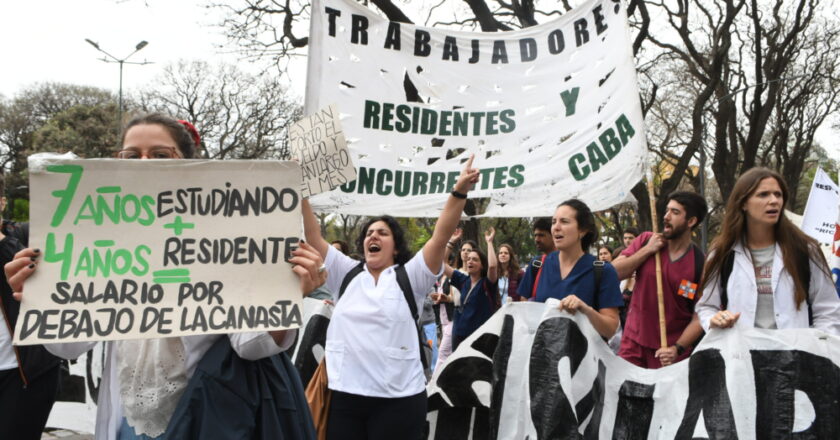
(534, 372)
(551, 112)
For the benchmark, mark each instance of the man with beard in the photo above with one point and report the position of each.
(682, 267)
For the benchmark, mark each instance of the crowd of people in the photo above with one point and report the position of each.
(762, 272)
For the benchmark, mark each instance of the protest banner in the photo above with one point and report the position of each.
(532, 371)
(318, 143)
(309, 348)
(551, 112)
(76, 405)
(822, 208)
(835, 253)
(144, 249)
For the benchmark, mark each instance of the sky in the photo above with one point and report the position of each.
(44, 40)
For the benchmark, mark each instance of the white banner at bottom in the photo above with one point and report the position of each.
(532, 372)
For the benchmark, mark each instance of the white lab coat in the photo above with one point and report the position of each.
(742, 293)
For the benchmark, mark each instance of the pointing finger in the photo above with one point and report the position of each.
(470, 161)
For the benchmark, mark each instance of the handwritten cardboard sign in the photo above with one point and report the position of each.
(145, 249)
(318, 143)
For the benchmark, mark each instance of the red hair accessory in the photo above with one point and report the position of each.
(193, 132)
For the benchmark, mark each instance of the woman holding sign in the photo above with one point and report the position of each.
(143, 380)
(373, 352)
(763, 271)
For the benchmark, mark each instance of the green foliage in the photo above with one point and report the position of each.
(513, 231)
(89, 131)
(19, 210)
(28, 112)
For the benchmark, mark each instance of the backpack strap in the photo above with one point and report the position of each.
(804, 266)
(725, 272)
(357, 269)
(804, 270)
(408, 293)
(699, 261)
(597, 273)
(535, 274)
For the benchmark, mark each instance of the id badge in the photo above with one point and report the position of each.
(687, 289)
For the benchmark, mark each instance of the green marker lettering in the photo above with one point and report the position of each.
(65, 257)
(66, 195)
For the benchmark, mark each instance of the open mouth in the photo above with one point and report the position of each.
(374, 248)
(772, 212)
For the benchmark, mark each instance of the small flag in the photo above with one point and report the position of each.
(687, 289)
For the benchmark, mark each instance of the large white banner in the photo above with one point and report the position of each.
(75, 408)
(822, 208)
(835, 252)
(551, 112)
(534, 372)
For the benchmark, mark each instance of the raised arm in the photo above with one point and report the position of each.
(451, 246)
(434, 250)
(312, 230)
(447, 269)
(492, 262)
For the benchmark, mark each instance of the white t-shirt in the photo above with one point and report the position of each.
(372, 347)
(763, 265)
(504, 284)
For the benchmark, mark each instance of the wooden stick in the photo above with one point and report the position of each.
(663, 334)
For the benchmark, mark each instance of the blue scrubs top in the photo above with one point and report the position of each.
(580, 282)
(476, 307)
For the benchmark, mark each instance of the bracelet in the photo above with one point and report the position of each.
(458, 195)
(450, 244)
(680, 349)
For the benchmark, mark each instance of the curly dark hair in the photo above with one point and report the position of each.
(585, 220)
(401, 246)
(178, 132)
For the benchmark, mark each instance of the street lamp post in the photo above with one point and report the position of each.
(124, 60)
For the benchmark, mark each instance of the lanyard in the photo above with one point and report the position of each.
(464, 302)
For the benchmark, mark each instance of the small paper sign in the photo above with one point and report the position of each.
(318, 143)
